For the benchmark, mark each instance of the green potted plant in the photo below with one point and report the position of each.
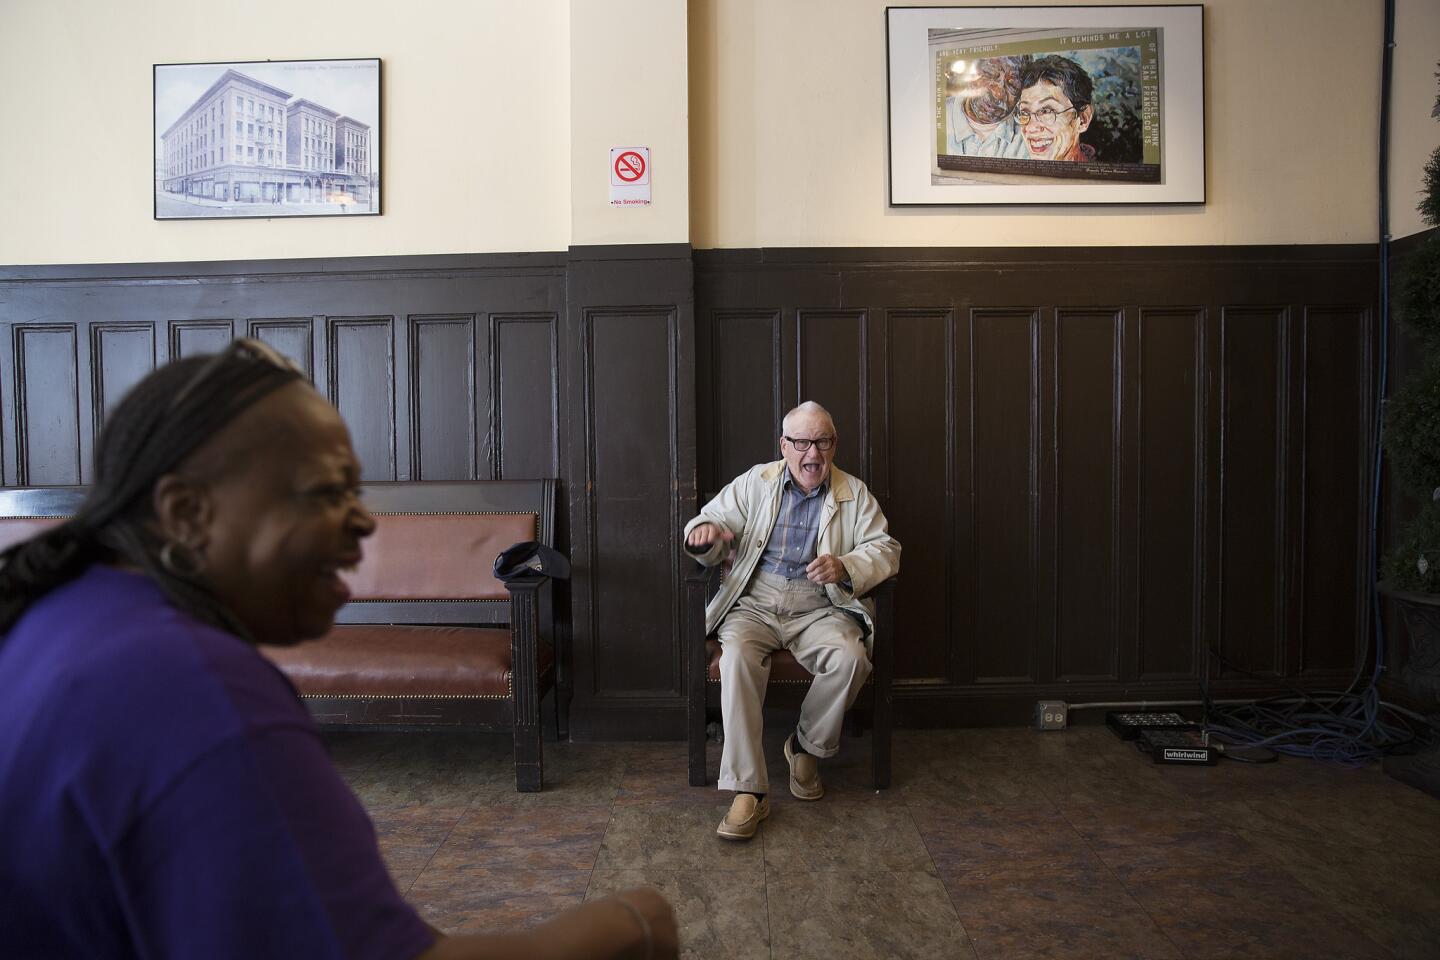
(1411, 571)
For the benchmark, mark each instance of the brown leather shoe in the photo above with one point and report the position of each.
(804, 772)
(744, 817)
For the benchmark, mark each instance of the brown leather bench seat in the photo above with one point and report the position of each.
(398, 660)
(413, 562)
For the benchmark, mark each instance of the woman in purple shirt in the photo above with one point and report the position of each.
(163, 792)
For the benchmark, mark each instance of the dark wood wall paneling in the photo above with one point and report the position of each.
(578, 366)
(1102, 465)
(629, 361)
(433, 361)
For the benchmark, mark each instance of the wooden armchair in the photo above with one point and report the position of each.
(788, 680)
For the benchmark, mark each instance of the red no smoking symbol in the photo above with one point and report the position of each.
(629, 166)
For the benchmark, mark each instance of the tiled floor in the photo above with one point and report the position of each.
(992, 843)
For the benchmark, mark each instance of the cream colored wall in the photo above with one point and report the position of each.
(788, 133)
(476, 127)
(628, 89)
(1414, 134)
(499, 116)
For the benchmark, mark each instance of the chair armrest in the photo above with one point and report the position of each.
(883, 655)
(700, 584)
(706, 576)
(883, 662)
(883, 587)
(883, 593)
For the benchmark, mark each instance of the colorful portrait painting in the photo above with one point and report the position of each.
(1063, 105)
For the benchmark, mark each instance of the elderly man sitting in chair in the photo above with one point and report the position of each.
(809, 542)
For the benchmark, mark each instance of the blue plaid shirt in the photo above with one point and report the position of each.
(792, 541)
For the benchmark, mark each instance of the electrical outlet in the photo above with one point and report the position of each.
(1050, 715)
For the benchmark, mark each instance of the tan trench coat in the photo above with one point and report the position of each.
(852, 528)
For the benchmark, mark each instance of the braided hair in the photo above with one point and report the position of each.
(159, 423)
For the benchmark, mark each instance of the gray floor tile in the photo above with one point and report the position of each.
(409, 837)
(992, 844)
(845, 835)
(527, 838)
(673, 836)
(719, 913)
(1020, 912)
(872, 915)
(467, 897)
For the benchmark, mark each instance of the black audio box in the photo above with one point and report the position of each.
(1127, 725)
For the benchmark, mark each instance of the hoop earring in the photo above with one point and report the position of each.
(179, 561)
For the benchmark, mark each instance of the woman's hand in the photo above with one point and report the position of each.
(631, 925)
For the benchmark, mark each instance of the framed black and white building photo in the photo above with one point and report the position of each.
(281, 138)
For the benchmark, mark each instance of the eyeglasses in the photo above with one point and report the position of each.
(247, 348)
(802, 444)
(1045, 116)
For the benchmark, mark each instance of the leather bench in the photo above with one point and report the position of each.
(430, 639)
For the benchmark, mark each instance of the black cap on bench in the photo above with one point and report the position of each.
(530, 557)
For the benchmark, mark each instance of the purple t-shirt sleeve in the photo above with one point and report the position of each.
(260, 850)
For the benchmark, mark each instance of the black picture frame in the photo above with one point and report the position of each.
(960, 79)
(267, 139)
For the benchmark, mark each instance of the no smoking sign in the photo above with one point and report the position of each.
(629, 167)
(629, 176)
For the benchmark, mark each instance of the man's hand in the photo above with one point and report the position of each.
(707, 533)
(826, 568)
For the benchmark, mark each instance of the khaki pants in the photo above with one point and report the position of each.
(773, 614)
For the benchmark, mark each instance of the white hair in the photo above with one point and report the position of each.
(812, 408)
